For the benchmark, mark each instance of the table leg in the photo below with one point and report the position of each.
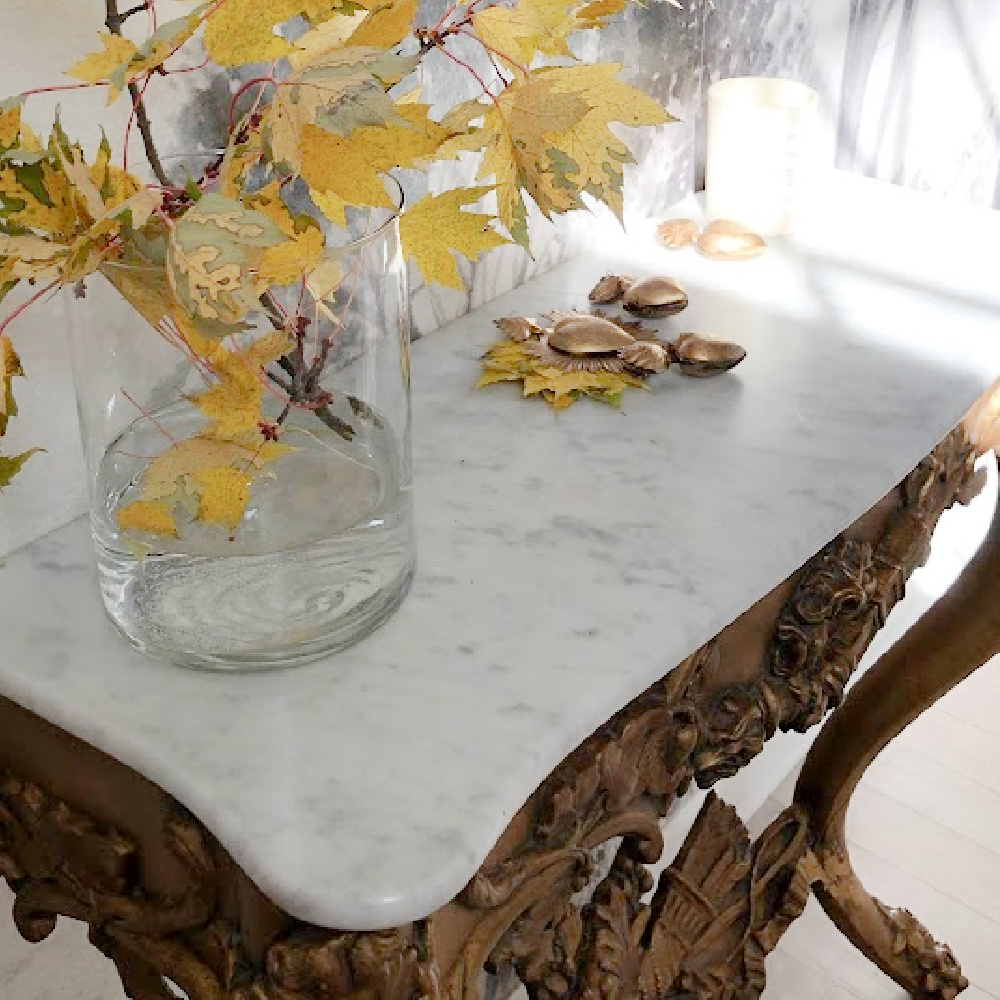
(956, 637)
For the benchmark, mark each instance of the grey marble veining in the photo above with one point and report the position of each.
(566, 562)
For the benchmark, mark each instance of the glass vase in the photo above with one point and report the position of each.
(322, 551)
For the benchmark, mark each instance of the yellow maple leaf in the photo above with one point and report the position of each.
(531, 26)
(342, 166)
(436, 227)
(549, 136)
(223, 494)
(242, 31)
(31, 257)
(331, 205)
(268, 201)
(295, 106)
(518, 133)
(324, 39)
(329, 87)
(597, 13)
(317, 11)
(350, 167)
(10, 126)
(492, 377)
(10, 365)
(151, 517)
(117, 52)
(56, 215)
(386, 25)
(591, 156)
(289, 261)
(509, 361)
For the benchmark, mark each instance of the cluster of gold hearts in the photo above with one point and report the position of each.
(580, 355)
(720, 240)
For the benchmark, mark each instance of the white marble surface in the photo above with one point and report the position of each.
(566, 562)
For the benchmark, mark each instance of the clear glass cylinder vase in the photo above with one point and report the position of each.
(276, 545)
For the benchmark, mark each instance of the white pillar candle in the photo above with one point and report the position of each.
(761, 151)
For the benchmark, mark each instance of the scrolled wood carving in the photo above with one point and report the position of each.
(61, 863)
(625, 778)
(703, 934)
(717, 911)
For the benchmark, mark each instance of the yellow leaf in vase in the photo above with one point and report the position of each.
(97, 67)
(217, 473)
(223, 495)
(168, 474)
(150, 517)
(386, 25)
(324, 279)
(232, 405)
(235, 164)
(163, 43)
(292, 260)
(436, 227)
(242, 31)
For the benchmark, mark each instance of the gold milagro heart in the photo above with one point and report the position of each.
(579, 335)
(655, 297)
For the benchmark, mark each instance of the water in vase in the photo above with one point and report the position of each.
(322, 555)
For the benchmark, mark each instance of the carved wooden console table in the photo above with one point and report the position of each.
(124, 783)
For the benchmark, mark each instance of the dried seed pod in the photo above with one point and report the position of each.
(699, 356)
(726, 240)
(675, 234)
(646, 357)
(582, 335)
(519, 328)
(609, 289)
(655, 297)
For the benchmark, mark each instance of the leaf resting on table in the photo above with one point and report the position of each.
(507, 361)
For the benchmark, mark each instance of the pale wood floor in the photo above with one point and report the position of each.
(925, 834)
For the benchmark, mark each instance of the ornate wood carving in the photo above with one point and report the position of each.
(957, 636)
(713, 915)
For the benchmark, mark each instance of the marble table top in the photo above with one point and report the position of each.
(566, 561)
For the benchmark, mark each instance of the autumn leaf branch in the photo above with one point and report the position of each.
(114, 22)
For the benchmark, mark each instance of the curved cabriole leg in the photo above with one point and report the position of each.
(956, 637)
